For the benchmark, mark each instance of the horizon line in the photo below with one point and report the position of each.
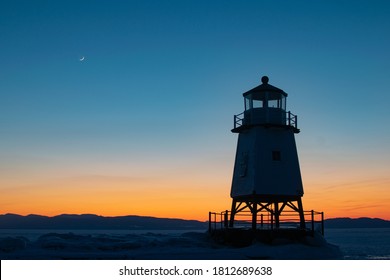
(155, 217)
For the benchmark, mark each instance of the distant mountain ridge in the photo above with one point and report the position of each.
(133, 222)
(91, 221)
(356, 223)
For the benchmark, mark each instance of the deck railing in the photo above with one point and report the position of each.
(287, 220)
(290, 120)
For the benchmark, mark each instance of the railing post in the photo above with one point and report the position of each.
(234, 121)
(209, 221)
(225, 219)
(312, 221)
(296, 121)
(289, 118)
(322, 223)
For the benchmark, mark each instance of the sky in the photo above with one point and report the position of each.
(142, 124)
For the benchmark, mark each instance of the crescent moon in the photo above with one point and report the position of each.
(82, 58)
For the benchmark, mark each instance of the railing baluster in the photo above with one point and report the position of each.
(209, 221)
(289, 118)
(312, 222)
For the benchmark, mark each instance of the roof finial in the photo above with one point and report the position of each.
(264, 80)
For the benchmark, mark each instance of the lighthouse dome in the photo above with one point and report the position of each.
(264, 89)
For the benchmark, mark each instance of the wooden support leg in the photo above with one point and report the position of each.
(254, 215)
(276, 205)
(232, 213)
(301, 214)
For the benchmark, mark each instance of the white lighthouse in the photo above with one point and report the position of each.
(266, 176)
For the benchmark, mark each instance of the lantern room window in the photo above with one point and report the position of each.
(273, 104)
(265, 100)
(257, 103)
(248, 104)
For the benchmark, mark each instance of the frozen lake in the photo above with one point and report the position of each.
(361, 243)
(181, 244)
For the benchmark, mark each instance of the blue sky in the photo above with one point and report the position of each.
(161, 81)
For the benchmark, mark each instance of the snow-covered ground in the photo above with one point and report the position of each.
(155, 245)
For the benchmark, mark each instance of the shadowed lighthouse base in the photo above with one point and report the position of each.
(270, 206)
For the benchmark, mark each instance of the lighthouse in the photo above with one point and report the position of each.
(266, 174)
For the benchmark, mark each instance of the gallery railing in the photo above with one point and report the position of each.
(245, 119)
(287, 220)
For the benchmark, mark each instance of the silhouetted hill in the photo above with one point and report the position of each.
(89, 221)
(356, 223)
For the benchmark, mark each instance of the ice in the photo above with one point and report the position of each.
(10, 244)
(159, 246)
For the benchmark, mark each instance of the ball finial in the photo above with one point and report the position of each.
(264, 80)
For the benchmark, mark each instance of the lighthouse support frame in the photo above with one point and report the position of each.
(274, 206)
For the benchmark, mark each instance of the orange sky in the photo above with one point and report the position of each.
(188, 197)
(187, 184)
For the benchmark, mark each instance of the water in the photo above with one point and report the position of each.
(361, 243)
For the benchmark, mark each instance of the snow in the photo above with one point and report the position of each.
(154, 245)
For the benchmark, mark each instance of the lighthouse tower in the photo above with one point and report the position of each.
(266, 176)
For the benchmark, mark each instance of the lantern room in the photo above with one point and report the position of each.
(265, 104)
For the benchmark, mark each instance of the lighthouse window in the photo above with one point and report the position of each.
(257, 104)
(276, 156)
(283, 103)
(273, 103)
(247, 104)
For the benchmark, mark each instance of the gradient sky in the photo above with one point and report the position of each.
(142, 124)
